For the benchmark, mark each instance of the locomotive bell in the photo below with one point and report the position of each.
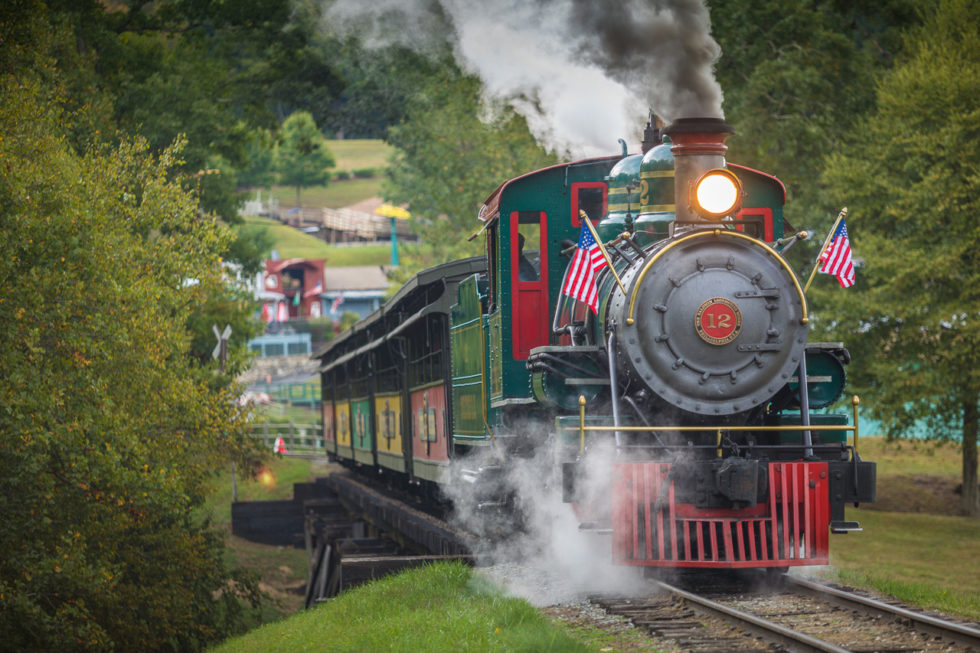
(699, 162)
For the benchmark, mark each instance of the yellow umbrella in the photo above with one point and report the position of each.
(392, 211)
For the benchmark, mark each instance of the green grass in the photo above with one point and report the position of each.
(291, 243)
(442, 607)
(350, 155)
(335, 195)
(360, 255)
(354, 154)
(284, 472)
(922, 558)
(281, 569)
(906, 457)
(926, 560)
(283, 413)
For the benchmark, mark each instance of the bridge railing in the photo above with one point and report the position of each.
(303, 394)
(298, 438)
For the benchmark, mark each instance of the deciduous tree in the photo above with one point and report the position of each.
(450, 156)
(797, 76)
(109, 432)
(911, 176)
(302, 157)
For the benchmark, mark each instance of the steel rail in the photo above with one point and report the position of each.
(958, 633)
(793, 640)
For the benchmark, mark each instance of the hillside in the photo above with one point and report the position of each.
(363, 161)
(292, 243)
(351, 156)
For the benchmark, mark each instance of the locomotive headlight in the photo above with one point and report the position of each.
(716, 193)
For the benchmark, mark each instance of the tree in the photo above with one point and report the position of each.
(302, 157)
(110, 433)
(258, 171)
(797, 76)
(379, 85)
(448, 161)
(910, 176)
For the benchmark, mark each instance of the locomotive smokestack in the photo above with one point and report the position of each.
(698, 146)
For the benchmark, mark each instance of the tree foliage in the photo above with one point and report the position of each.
(911, 176)
(797, 77)
(259, 169)
(110, 432)
(450, 156)
(302, 157)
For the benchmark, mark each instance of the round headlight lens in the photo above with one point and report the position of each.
(717, 193)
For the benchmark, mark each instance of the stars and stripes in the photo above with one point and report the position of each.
(836, 257)
(580, 282)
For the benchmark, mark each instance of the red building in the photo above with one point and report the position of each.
(299, 281)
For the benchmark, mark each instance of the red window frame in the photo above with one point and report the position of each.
(765, 212)
(580, 185)
(529, 299)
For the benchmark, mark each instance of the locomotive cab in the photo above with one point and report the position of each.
(526, 231)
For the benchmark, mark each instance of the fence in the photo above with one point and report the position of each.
(298, 438)
(302, 394)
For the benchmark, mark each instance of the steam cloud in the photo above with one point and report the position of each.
(584, 73)
(547, 559)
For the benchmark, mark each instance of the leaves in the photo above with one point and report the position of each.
(302, 158)
(109, 432)
(797, 76)
(911, 177)
(450, 157)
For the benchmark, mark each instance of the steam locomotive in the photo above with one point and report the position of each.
(685, 414)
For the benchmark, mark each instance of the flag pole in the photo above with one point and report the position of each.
(582, 214)
(833, 230)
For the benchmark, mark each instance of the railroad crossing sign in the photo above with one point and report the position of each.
(221, 350)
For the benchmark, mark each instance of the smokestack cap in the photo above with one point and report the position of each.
(699, 126)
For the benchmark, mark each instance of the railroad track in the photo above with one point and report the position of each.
(789, 614)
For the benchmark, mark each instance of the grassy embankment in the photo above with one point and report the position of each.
(291, 243)
(922, 558)
(913, 547)
(439, 608)
(281, 570)
(350, 155)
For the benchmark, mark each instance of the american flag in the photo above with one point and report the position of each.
(836, 257)
(580, 280)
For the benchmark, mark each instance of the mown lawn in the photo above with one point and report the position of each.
(910, 457)
(910, 551)
(335, 195)
(925, 560)
(351, 155)
(354, 153)
(292, 243)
